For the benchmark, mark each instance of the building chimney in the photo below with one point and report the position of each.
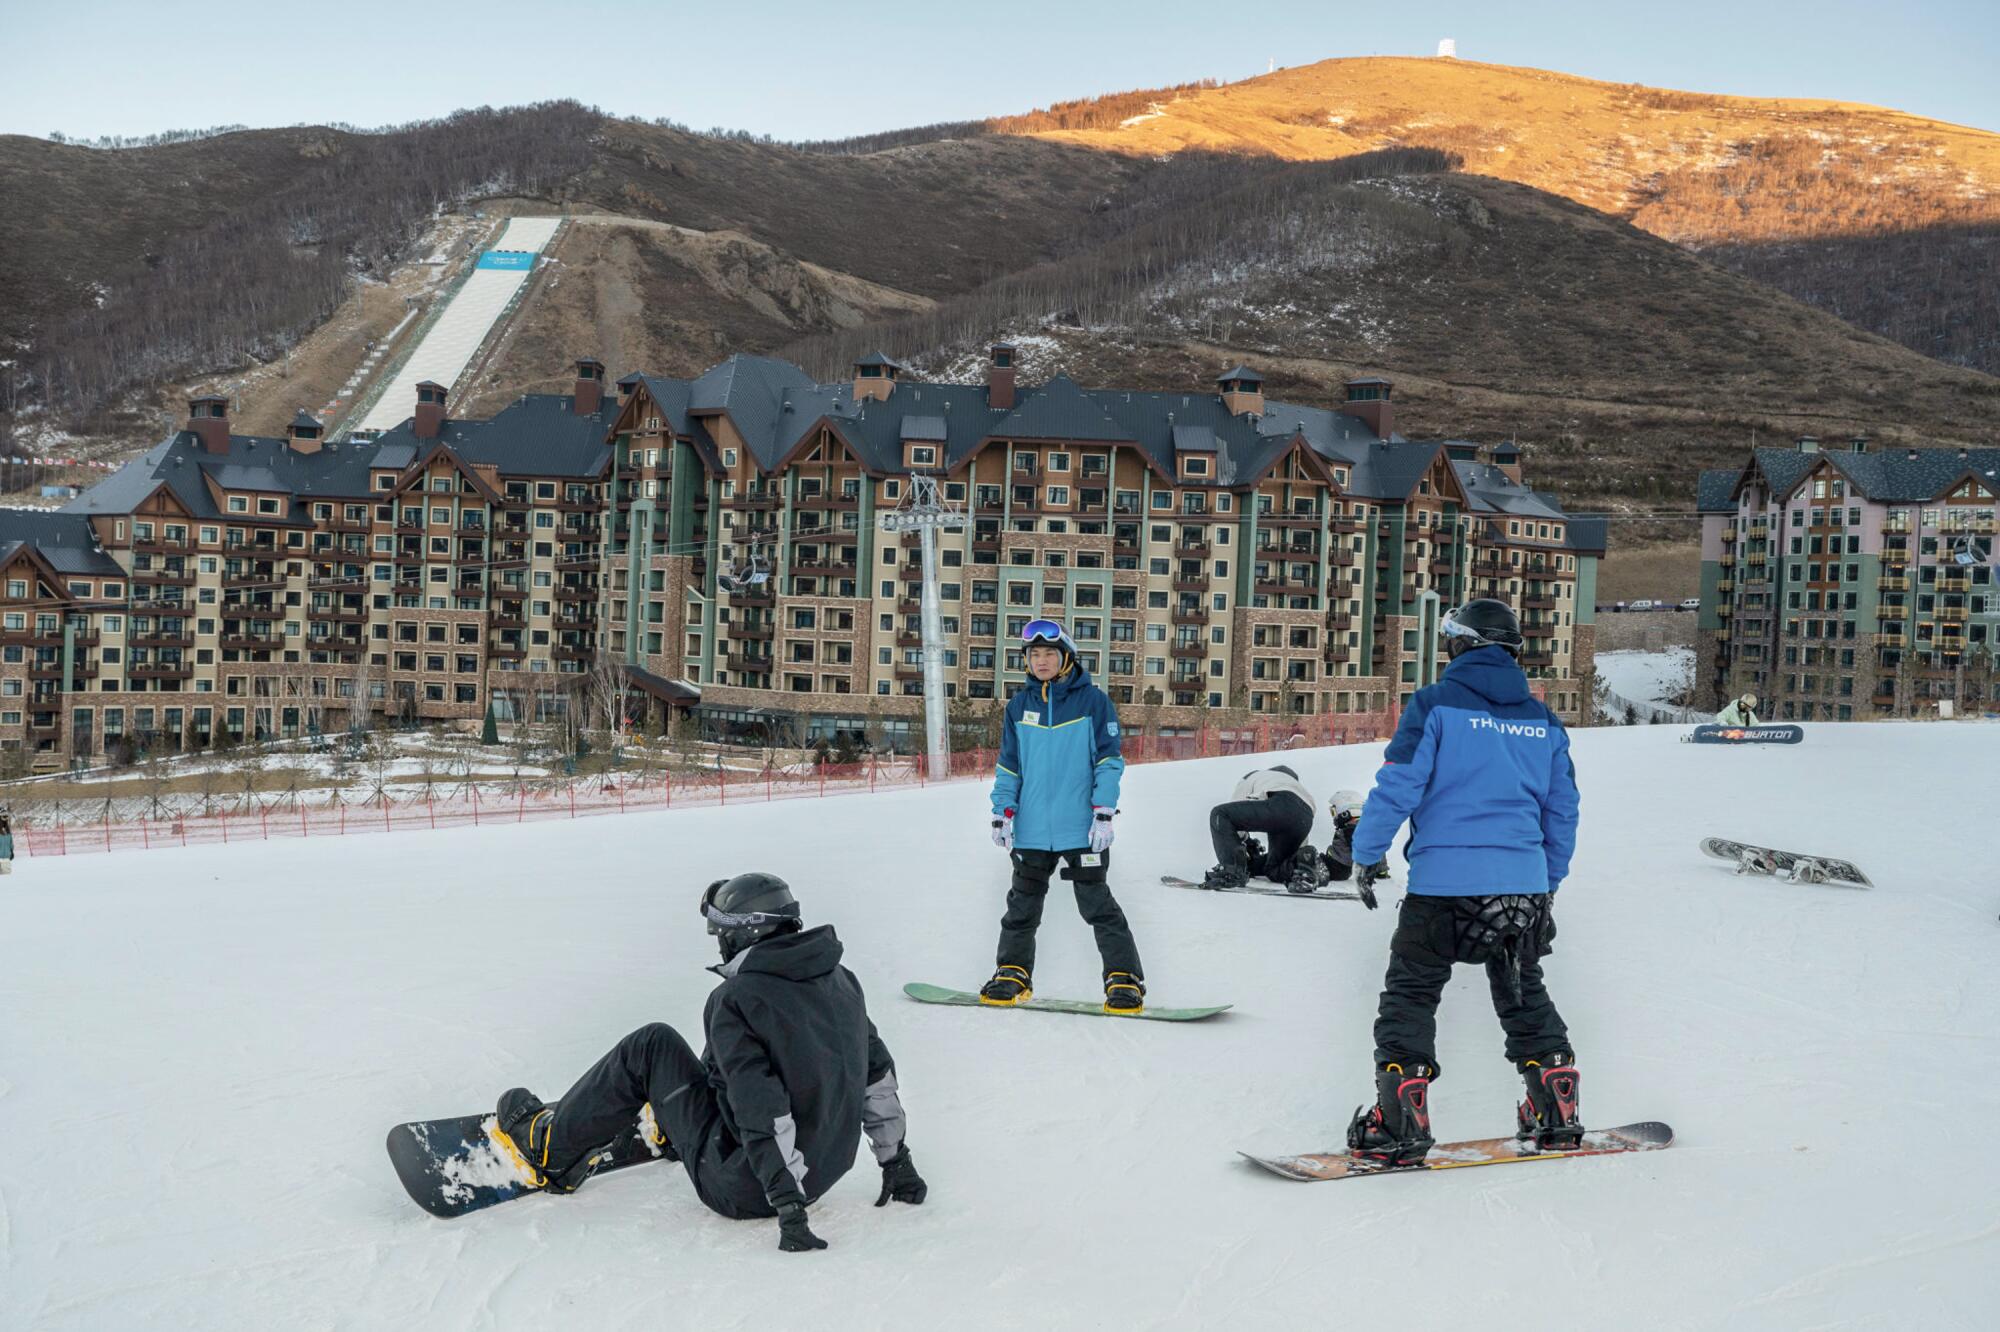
(1808, 444)
(1858, 444)
(1242, 391)
(430, 410)
(305, 435)
(1909, 455)
(1000, 376)
(875, 377)
(589, 394)
(1507, 460)
(208, 417)
(1368, 401)
(627, 387)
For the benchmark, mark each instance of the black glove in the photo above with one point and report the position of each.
(1365, 880)
(794, 1235)
(901, 1181)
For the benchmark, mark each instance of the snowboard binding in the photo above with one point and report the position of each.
(1395, 1132)
(1551, 1116)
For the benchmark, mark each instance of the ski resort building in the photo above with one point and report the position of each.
(1850, 582)
(711, 546)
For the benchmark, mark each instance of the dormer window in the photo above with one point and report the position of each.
(1003, 357)
(1194, 467)
(923, 455)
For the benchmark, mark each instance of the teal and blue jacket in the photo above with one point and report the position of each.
(1482, 772)
(1059, 756)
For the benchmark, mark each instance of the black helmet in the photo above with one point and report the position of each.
(1483, 620)
(747, 908)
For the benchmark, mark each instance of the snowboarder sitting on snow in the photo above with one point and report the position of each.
(1482, 772)
(1274, 802)
(1055, 792)
(1740, 712)
(770, 1117)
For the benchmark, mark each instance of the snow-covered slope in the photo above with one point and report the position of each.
(201, 1050)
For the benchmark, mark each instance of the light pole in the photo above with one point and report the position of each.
(924, 512)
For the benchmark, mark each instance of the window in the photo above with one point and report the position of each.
(1194, 467)
(239, 504)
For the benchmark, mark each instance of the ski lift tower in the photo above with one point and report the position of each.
(925, 512)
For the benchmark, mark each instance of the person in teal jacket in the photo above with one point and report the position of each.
(1055, 795)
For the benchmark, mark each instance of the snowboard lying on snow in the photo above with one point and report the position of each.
(1646, 1137)
(1798, 867)
(1712, 734)
(1266, 890)
(454, 1166)
(938, 994)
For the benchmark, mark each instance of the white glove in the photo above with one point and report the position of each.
(1003, 830)
(1100, 829)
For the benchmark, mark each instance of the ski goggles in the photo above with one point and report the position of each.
(1043, 631)
(1450, 627)
(719, 919)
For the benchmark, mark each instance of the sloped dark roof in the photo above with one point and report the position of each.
(877, 358)
(305, 419)
(1589, 535)
(1242, 372)
(64, 539)
(1060, 410)
(538, 434)
(1715, 491)
(1490, 490)
(925, 429)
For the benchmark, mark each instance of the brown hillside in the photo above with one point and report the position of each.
(1839, 204)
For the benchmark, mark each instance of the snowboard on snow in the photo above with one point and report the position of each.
(1646, 1137)
(454, 1166)
(1798, 867)
(938, 994)
(1712, 734)
(1267, 890)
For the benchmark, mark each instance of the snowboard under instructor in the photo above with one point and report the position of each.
(771, 1116)
(1055, 794)
(1482, 772)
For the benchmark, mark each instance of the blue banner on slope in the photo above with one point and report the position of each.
(519, 260)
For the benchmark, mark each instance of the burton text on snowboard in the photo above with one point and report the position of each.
(1712, 734)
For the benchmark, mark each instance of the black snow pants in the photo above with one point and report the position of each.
(1087, 871)
(1281, 816)
(655, 1066)
(1509, 935)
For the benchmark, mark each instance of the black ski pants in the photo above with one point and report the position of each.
(1281, 816)
(655, 1066)
(1087, 871)
(1508, 935)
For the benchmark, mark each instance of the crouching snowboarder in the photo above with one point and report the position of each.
(1482, 772)
(1271, 801)
(771, 1116)
(1740, 712)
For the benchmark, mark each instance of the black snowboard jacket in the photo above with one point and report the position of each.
(797, 1067)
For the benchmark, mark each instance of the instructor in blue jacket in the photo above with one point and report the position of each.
(1055, 794)
(1482, 773)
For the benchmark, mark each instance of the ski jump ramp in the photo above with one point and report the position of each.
(464, 323)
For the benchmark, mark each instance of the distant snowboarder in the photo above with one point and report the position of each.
(1482, 772)
(6, 844)
(1271, 801)
(1055, 794)
(1740, 712)
(1346, 807)
(770, 1117)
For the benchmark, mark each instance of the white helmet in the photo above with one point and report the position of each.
(1345, 802)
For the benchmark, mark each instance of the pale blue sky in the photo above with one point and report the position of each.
(797, 69)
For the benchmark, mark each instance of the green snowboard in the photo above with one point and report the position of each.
(937, 994)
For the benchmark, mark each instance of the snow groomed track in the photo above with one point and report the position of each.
(201, 1050)
(466, 320)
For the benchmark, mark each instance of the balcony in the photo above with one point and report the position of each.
(907, 639)
(339, 614)
(1190, 582)
(589, 504)
(1727, 560)
(905, 670)
(1724, 611)
(1442, 568)
(1336, 653)
(759, 632)
(823, 568)
(1537, 659)
(161, 545)
(1892, 584)
(1728, 536)
(1188, 650)
(572, 652)
(154, 639)
(1192, 550)
(252, 642)
(160, 670)
(1293, 519)
(1722, 634)
(1896, 526)
(569, 593)
(1284, 587)
(1954, 583)
(163, 577)
(1184, 616)
(1953, 614)
(1973, 524)
(1538, 601)
(506, 651)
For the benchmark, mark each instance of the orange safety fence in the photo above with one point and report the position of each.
(620, 792)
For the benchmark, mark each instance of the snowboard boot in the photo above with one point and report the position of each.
(1396, 1130)
(1551, 1118)
(1308, 871)
(1256, 856)
(1808, 871)
(1124, 994)
(1010, 985)
(1224, 879)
